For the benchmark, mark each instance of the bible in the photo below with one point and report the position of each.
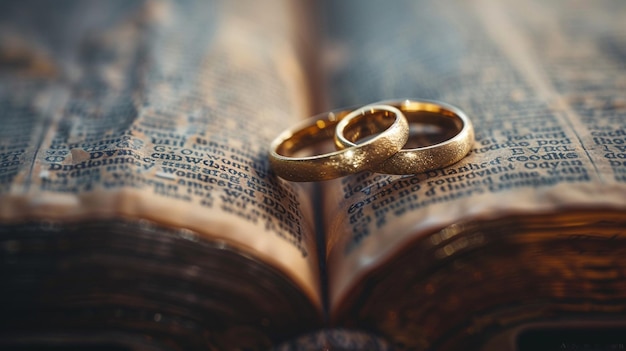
(138, 210)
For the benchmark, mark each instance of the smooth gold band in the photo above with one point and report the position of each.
(386, 126)
(422, 159)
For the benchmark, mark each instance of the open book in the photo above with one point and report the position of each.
(138, 210)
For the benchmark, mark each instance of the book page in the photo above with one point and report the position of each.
(158, 111)
(543, 84)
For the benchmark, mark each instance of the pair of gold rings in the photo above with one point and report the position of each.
(372, 138)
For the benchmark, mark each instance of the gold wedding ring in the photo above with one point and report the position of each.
(422, 159)
(383, 128)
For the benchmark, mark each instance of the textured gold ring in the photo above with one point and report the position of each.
(384, 131)
(422, 159)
